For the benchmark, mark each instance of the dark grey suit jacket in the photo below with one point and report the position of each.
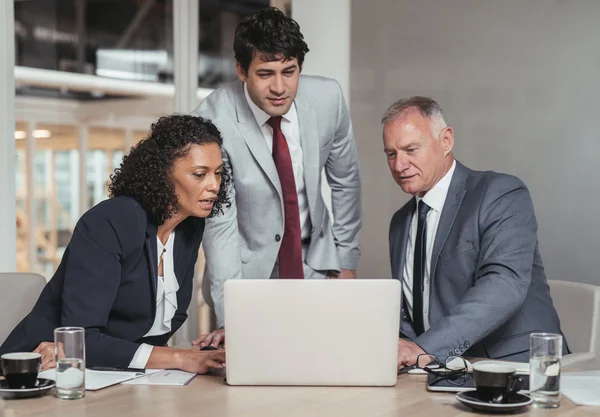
(489, 289)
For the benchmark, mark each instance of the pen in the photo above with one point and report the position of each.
(108, 368)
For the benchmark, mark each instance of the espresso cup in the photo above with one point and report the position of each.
(21, 369)
(495, 382)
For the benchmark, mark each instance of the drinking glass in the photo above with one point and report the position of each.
(545, 352)
(69, 348)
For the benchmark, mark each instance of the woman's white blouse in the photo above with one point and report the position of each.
(166, 301)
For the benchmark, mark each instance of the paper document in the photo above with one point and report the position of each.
(95, 380)
(581, 389)
(163, 377)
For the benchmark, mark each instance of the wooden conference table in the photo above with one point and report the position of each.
(208, 396)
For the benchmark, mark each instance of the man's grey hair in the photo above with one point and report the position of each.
(428, 107)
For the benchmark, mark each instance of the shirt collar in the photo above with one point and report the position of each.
(260, 116)
(436, 197)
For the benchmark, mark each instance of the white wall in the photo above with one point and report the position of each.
(8, 229)
(519, 82)
(326, 29)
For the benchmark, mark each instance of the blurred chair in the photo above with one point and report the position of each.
(18, 293)
(578, 307)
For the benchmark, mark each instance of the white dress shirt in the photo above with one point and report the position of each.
(435, 198)
(166, 301)
(291, 131)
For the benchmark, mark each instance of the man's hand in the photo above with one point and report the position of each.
(46, 349)
(407, 353)
(344, 274)
(213, 339)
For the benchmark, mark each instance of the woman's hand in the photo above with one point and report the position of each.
(46, 349)
(199, 362)
(189, 360)
(213, 339)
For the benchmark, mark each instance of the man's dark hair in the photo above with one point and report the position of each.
(271, 35)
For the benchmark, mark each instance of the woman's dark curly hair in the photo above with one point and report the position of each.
(270, 34)
(145, 172)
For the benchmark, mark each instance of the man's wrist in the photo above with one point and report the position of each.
(420, 347)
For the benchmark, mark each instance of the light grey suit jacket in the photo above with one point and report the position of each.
(242, 243)
(489, 289)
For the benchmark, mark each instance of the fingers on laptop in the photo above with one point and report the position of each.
(212, 364)
(204, 339)
(215, 359)
(403, 361)
(405, 357)
(213, 339)
(218, 338)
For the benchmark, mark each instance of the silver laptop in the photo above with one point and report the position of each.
(312, 332)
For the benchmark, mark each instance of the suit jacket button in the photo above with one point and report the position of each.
(277, 238)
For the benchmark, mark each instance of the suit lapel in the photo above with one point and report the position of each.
(253, 136)
(406, 327)
(179, 251)
(151, 252)
(403, 236)
(184, 244)
(309, 140)
(454, 198)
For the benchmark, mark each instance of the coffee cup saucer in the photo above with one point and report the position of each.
(42, 386)
(515, 402)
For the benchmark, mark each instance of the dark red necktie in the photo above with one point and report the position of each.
(290, 251)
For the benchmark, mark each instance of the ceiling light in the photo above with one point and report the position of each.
(38, 134)
(41, 134)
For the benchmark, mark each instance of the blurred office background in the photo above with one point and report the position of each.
(518, 79)
(90, 76)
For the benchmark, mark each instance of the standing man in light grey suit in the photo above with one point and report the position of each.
(465, 248)
(280, 129)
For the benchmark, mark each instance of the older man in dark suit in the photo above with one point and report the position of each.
(465, 247)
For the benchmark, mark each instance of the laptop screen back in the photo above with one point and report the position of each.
(312, 332)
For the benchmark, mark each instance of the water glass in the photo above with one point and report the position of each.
(545, 352)
(69, 348)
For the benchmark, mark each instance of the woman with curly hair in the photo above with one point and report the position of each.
(127, 274)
